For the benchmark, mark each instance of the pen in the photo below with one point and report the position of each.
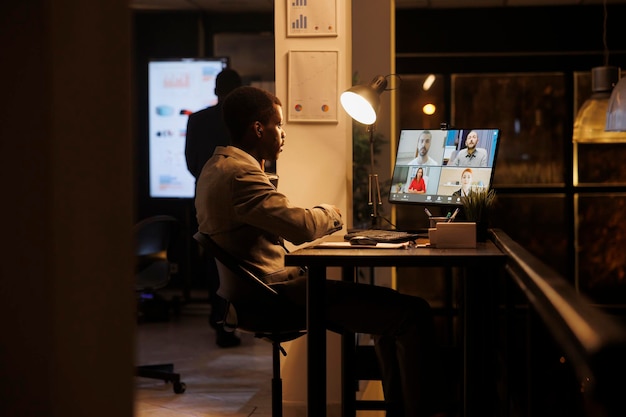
(453, 215)
(428, 213)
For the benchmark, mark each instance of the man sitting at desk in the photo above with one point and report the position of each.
(242, 211)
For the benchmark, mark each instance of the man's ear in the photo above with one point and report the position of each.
(258, 127)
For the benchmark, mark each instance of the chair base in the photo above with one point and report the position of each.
(164, 372)
(277, 383)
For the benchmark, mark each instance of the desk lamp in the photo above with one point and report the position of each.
(361, 102)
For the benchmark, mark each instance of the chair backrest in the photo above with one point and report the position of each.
(237, 284)
(257, 306)
(153, 237)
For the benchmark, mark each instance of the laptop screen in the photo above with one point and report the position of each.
(439, 167)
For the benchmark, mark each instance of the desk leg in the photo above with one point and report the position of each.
(479, 328)
(316, 343)
(348, 351)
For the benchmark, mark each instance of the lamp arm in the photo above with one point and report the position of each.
(374, 185)
(370, 129)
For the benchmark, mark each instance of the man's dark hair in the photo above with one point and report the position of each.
(246, 105)
(226, 81)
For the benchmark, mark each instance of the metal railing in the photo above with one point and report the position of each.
(592, 342)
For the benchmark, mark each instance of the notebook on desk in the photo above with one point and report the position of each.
(385, 236)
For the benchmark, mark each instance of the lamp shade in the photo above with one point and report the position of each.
(589, 125)
(616, 112)
(361, 101)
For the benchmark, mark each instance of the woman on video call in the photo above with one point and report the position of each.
(466, 183)
(418, 185)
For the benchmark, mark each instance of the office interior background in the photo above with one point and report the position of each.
(514, 68)
(542, 55)
(525, 70)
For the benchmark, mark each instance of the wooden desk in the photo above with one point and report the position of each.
(481, 267)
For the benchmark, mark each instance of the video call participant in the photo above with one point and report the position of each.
(206, 131)
(417, 184)
(423, 146)
(466, 183)
(471, 156)
(240, 209)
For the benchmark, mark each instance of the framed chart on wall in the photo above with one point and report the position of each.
(311, 18)
(312, 86)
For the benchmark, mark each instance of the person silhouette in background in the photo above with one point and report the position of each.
(206, 131)
(205, 128)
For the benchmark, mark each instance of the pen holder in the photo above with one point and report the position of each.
(434, 220)
(453, 235)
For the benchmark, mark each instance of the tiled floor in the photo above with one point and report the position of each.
(220, 382)
(233, 382)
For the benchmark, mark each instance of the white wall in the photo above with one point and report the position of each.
(316, 164)
(315, 167)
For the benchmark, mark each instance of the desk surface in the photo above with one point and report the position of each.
(483, 259)
(411, 256)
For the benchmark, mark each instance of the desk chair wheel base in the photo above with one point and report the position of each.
(164, 372)
(153, 236)
(179, 387)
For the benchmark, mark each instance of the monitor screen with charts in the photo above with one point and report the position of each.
(176, 88)
(439, 167)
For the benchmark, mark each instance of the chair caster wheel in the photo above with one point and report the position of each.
(179, 387)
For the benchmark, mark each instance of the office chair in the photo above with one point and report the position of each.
(153, 236)
(256, 308)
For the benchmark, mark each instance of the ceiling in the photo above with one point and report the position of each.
(239, 6)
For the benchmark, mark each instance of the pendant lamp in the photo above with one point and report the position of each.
(616, 113)
(590, 122)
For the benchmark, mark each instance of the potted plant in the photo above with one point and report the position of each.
(476, 207)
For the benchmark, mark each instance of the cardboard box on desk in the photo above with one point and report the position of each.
(453, 235)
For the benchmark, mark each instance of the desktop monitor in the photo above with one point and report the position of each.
(177, 88)
(449, 170)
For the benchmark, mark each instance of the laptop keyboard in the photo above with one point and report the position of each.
(383, 236)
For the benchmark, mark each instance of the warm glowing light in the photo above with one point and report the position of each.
(428, 82)
(429, 109)
(359, 108)
(361, 101)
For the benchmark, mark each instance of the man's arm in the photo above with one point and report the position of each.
(259, 204)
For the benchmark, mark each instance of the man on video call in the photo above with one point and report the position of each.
(423, 146)
(471, 156)
(247, 216)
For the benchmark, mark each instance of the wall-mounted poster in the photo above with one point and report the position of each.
(312, 95)
(311, 17)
